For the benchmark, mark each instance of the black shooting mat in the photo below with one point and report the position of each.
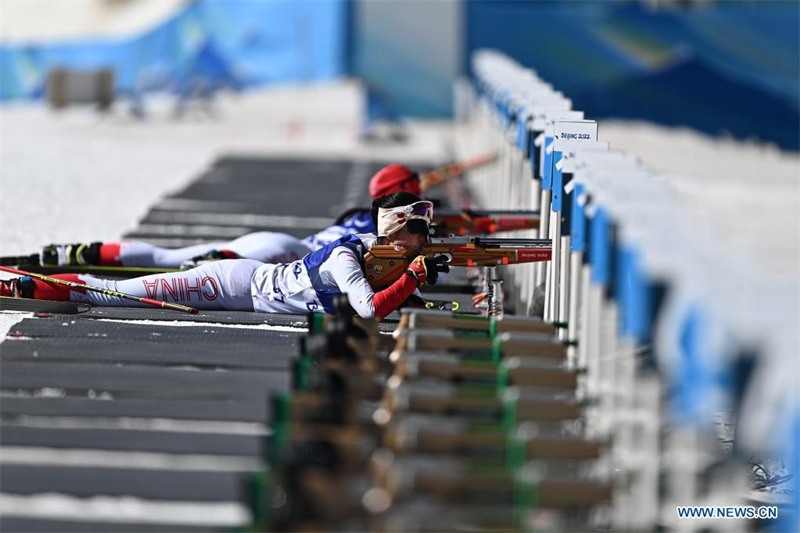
(41, 525)
(77, 326)
(141, 381)
(14, 410)
(175, 485)
(243, 354)
(279, 186)
(107, 380)
(240, 195)
(185, 442)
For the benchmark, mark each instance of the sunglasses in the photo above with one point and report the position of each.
(419, 216)
(418, 226)
(422, 209)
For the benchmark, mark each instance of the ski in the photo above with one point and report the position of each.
(32, 263)
(8, 303)
(448, 305)
(96, 270)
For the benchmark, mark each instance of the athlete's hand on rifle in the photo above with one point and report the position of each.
(426, 269)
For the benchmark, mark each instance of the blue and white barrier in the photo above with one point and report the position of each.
(672, 329)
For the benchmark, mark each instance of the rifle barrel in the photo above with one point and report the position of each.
(513, 371)
(442, 438)
(427, 319)
(483, 407)
(446, 212)
(495, 242)
(533, 345)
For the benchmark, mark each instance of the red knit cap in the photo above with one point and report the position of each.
(394, 178)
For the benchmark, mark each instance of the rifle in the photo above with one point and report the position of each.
(450, 221)
(478, 345)
(437, 435)
(330, 374)
(492, 326)
(365, 437)
(452, 480)
(436, 176)
(384, 264)
(469, 222)
(515, 371)
(479, 336)
(484, 404)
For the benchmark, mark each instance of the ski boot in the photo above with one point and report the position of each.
(71, 254)
(17, 288)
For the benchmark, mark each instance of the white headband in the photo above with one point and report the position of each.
(392, 219)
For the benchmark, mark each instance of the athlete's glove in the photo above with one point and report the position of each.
(426, 269)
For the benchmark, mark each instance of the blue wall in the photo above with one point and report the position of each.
(729, 67)
(236, 43)
(409, 52)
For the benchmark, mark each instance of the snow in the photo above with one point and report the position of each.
(79, 175)
(22, 20)
(208, 326)
(121, 509)
(10, 318)
(747, 194)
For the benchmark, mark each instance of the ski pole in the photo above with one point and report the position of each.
(108, 292)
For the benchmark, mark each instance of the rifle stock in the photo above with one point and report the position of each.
(436, 176)
(384, 264)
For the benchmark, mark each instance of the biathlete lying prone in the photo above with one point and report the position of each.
(307, 284)
(264, 246)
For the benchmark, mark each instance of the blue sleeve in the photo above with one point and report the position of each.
(359, 223)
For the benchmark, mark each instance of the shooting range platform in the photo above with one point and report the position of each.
(133, 419)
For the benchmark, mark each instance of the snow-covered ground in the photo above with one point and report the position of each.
(80, 175)
(747, 193)
(22, 20)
